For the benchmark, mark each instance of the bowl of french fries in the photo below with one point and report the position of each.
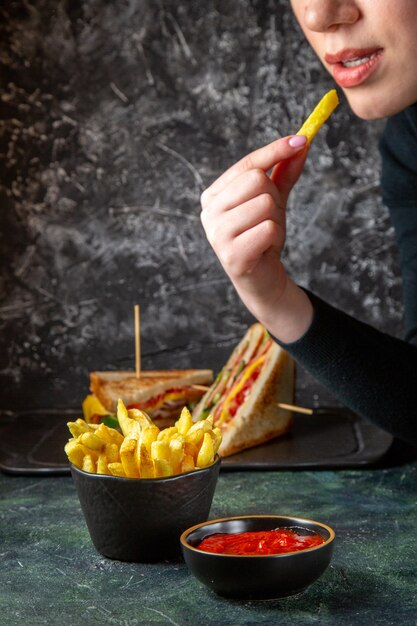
(140, 487)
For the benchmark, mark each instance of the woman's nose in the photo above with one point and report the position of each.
(324, 15)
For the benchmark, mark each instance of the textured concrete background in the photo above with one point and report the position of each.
(114, 117)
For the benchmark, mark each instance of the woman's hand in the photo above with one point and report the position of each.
(244, 219)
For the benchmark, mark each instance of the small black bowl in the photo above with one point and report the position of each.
(260, 577)
(141, 519)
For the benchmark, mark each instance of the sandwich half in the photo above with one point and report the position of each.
(160, 393)
(243, 398)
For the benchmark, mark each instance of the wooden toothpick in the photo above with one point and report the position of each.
(282, 405)
(200, 387)
(137, 340)
(296, 409)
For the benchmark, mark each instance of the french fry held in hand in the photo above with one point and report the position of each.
(321, 113)
(142, 450)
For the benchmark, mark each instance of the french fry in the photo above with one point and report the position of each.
(91, 441)
(112, 453)
(163, 468)
(167, 433)
(89, 464)
(203, 425)
(109, 435)
(208, 423)
(320, 114)
(148, 435)
(160, 450)
(187, 464)
(184, 423)
(145, 460)
(102, 464)
(206, 455)
(128, 425)
(79, 427)
(128, 457)
(75, 452)
(140, 417)
(176, 452)
(147, 469)
(195, 434)
(216, 435)
(116, 469)
(191, 449)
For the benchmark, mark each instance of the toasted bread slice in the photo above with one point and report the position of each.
(244, 397)
(108, 387)
(259, 419)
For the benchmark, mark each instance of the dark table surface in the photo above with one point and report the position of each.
(50, 572)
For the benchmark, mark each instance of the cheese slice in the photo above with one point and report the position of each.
(239, 386)
(92, 406)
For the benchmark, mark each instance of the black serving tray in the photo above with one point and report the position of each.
(32, 443)
(332, 437)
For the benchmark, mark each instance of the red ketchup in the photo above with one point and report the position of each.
(278, 541)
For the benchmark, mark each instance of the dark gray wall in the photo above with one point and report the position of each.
(115, 116)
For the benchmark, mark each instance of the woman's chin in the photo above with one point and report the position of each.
(378, 106)
(367, 110)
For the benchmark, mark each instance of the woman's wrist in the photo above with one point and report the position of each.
(290, 318)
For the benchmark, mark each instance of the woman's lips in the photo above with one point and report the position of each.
(353, 66)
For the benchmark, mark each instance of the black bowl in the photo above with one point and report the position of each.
(260, 577)
(141, 519)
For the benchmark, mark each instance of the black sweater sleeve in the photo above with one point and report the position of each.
(398, 147)
(371, 372)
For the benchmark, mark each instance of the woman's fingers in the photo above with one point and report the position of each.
(241, 189)
(232, 223)
(244, 252)
(248, 200)
(263, 159)
(244, 217)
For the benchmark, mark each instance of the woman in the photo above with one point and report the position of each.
(244, 214)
